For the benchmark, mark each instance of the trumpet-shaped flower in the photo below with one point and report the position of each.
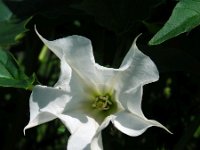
(87, 96)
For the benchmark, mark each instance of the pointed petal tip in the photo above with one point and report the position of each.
(137, 37)
(157, 124)
(35, 27)
(166, 129)
(24, 130)
(40, 36)
(27, 127)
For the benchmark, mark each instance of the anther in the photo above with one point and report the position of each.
(102, 102)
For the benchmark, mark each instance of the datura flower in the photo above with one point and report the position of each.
(87, 96)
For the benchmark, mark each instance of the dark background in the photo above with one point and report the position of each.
(111, 25)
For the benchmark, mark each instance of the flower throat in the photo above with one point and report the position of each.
(102, 103)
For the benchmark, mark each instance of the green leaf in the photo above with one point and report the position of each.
(185, 16)
(11, 74)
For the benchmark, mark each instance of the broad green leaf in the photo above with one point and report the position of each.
(185, 16)
(11, 74)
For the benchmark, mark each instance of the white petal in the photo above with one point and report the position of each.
(134, 125)
(45, 104)
(108, 76)
(54, 48)
(96, 143)
(65, 76)
(136, 69)
(82, 130)
(77, 52)
(140, 69)
(41, 118)
(131, 100)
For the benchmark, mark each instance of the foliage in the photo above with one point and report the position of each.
(11, 74)
(185, 16)
(111, 25)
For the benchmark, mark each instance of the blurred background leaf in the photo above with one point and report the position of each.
(11, 28)
(116, 15)
(11, 31)
(5, 13)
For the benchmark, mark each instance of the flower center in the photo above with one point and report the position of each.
(102, 103)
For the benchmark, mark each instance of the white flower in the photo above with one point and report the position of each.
(88, 96)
